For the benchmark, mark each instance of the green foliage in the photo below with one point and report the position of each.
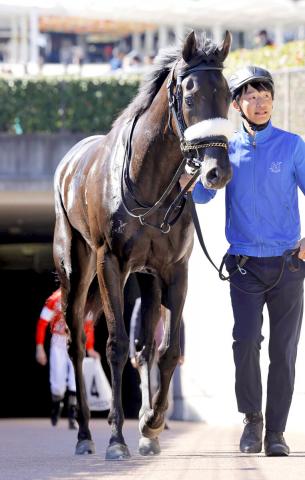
(90, 105)
(75, 105)
(289, 55)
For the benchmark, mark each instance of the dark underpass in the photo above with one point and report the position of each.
(27, 274)
(27, 278)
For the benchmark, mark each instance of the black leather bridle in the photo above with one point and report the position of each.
(175, 99)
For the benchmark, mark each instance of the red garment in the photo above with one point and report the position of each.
(89, 331)
(51, 314)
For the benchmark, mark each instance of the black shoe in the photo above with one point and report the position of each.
(56, 412)
(275, 445)
(251, 439)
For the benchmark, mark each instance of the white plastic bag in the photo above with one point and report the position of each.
(98, 389)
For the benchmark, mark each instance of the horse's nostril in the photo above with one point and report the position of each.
(212, 175)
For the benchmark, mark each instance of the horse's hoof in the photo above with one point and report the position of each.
(117, 451)
(149, 446)
(147, 431)
(84, 446)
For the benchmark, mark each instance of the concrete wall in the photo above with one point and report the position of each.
(28, 162)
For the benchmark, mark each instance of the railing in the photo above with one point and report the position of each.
(289, 104)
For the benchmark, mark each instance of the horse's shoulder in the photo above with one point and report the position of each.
(77, 154)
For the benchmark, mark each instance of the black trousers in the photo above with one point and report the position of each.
(285, 308)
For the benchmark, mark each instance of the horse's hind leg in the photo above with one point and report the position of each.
(169, 351)
(174, 292)
(75, 264)
(111, 285)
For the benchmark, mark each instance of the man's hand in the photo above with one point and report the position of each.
(93, 353)
(301, 246)
(181, 360)
(41, 356)
(184, 179)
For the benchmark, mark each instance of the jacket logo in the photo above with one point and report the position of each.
(275, 167)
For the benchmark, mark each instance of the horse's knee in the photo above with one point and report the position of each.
(169, 359)
(117, 350)
(76, 349)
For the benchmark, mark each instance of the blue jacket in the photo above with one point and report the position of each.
(262, 213)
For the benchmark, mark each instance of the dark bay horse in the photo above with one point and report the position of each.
(109, 222)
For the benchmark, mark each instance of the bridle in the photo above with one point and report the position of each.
(175, 99)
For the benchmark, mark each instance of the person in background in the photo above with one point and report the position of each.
(149, 58)
(262, 39)
(264, 232)
(116, 61)
(135, 333)
(132, 61)
(62, 376)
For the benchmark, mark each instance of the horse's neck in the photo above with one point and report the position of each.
(156, 151)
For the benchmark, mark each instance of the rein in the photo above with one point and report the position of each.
(148, 210)
(175, 111)
(287, 256)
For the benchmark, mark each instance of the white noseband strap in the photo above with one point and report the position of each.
(214, 127)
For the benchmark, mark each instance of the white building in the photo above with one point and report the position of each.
(150, 24)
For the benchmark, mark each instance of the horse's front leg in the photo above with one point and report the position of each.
(110, 280)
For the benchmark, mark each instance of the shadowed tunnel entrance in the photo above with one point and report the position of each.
(27, 278)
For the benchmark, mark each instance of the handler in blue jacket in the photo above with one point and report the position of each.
(263, 222)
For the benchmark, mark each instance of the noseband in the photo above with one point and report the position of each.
(175, 111)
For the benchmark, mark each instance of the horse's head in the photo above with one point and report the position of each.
(199, 101)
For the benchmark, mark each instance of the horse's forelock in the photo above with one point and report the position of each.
(207, 50)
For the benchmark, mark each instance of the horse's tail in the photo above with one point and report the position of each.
(62, 236)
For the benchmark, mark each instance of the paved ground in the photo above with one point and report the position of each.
(33, 450)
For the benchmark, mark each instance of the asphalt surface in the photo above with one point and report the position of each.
(33, 450)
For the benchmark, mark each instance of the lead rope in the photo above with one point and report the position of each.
(243, 259)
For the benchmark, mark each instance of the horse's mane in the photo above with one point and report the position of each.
(152, 82)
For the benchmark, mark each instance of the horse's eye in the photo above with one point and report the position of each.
(189, 101)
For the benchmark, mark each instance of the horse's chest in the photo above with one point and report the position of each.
(143, 251)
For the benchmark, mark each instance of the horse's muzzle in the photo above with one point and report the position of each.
(216, 177)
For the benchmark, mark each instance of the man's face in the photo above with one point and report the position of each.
(257, 106)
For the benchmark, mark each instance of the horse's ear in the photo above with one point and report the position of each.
(224, 48)
(189, 48)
